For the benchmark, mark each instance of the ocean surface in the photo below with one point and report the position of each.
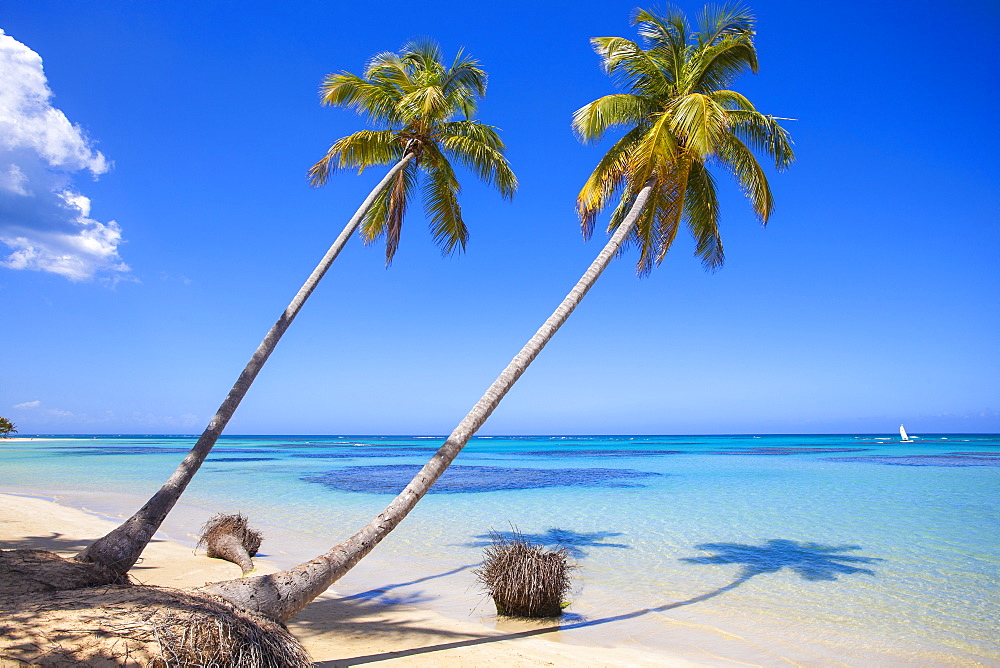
(760, 550)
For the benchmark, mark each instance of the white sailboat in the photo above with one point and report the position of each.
(903, 435)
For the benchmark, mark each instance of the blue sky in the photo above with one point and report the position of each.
(869, 300)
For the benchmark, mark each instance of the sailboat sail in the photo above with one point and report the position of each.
(902, 433)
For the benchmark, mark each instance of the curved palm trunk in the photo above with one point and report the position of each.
(281, 595)
(119, 550)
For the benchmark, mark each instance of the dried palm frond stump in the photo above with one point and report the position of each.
(524, 579)
(228, 537)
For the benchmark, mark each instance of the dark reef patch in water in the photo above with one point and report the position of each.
(391, 479)
(953, 459)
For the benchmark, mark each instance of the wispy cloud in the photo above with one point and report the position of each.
(43, 418)
(44, 222)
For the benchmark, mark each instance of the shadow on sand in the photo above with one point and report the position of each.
(811, 561)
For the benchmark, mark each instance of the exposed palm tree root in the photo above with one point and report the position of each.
(26, 571)
(140, 625)
(229, 537)
(524, 579)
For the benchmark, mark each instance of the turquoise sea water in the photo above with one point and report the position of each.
(761, 550)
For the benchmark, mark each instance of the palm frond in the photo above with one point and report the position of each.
(700, 122)
(741, 163)
(719, 23)
(701, 208)
(720, 63)
(655, 151)
(441, 206)
(730, 100)
(389, 70)
(763, 134)
(426, 102)
(385, 218)
(667, 36)
(591, 121)
(362, 149)
(350, 91)
(478, 148)
(606, 180)
(466, 74)
(631, 66)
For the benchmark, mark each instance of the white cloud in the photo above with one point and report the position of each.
(43, 220)
(28, 404)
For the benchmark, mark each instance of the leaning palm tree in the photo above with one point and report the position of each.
(682, 117)
(424, 109)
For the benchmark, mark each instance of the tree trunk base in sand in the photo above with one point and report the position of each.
(140, 625)
(26, 571)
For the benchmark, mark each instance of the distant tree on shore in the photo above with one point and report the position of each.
(6, 427)
(416, 99)
(681, 118)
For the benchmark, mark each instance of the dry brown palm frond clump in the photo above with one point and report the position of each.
(140, 626)
(229, 537)
(524, 579)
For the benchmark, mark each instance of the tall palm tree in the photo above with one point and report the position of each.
(682, 117)
(424, 109)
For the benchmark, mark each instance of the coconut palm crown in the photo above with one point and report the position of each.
(680, 118)
(423, 108)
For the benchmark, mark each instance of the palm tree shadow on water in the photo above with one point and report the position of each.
(811, 561)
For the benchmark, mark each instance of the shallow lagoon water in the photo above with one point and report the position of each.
(748, 549)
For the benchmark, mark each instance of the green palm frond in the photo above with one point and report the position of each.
(667, 36)
(369, 97)
(764, 134)
(719, 64)
(718, 23)
(591, 121)
(682, 116)
(413, 97)
(629, 64)
(441, 190)
(465, 74)
(362, 149)
(730, 100)
(606, 180)
(385, 219)
(425, 102)
(699, 123)
(742, 164)
(701, 206)
(655, 152)
(479, 149)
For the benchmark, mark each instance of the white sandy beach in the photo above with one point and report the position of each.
(336, 632)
